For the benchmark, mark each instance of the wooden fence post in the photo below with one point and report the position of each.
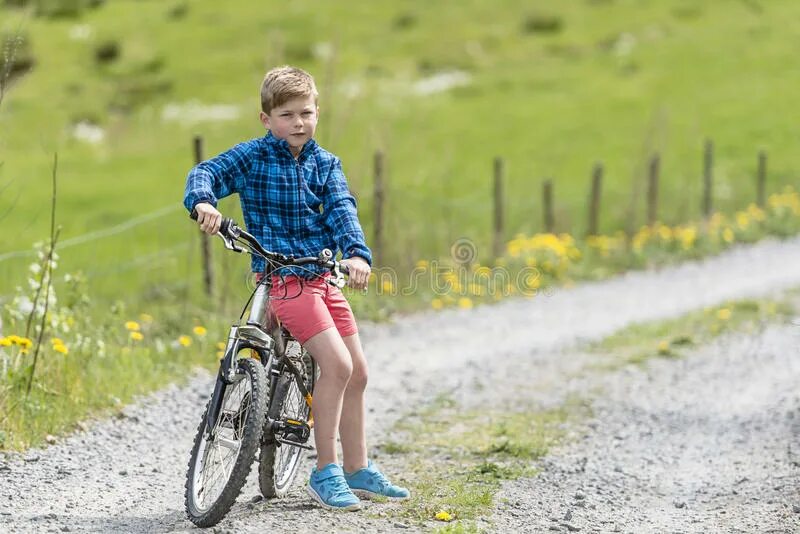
(652, 190)
(708, 169)
(547, 201)
(497, 234)
(594, 200)
(208, 271)
(761, 180)
(378, 203)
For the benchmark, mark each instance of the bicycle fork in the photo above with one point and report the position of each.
(239, 338)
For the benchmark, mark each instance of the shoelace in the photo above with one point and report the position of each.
(336, 487)
(381, 480)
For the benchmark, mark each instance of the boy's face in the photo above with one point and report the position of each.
(295, 121)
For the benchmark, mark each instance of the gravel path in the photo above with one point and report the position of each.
(710, 443)
(126, 474)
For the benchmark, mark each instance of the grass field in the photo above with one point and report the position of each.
(551, 89)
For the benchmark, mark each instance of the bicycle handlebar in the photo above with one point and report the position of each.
(230, 233)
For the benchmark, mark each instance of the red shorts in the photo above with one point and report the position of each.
(318, 307)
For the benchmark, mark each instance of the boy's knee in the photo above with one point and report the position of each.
(342, 370)
(359, 377)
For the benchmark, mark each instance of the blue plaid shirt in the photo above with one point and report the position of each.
(292, 206)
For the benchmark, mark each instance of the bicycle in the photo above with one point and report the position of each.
(262, 396)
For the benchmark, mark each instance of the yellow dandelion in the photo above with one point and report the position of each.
(727, 235)
(61, 348)
(185, 341)
(437, 304)
(57, 341)
(221, 346)
(199, 331)
(756, 212)
(220, 354)
(444, 516)
(387, 286)
(422, 264)
(146, 318)
(688, 236)
(5, 342)
(136, 336)
(132, 326)
(25, 343)
(742, 220)
(574, 254)
(723, 314)
(465, 303)
(663, 347)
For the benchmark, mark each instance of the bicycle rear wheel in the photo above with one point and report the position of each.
(220, 462)
(278, 462)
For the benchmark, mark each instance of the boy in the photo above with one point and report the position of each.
(283, 179)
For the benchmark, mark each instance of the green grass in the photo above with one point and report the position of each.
(457, 459)
(92, 359)
(552, 103)
(673, 338)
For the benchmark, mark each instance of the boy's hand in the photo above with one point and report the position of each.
(359, 272)
(208, 218)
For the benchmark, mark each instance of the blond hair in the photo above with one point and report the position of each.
(282, 84)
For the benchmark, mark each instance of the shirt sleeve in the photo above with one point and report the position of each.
(218, 177)
(339, 207)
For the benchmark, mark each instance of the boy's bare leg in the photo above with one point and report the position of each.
(351, 425)
(336, 367)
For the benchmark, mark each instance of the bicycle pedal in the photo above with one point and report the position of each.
(297, 431)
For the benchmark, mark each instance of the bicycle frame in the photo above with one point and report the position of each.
(253, 336)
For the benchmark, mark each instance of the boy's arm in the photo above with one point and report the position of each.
(219, 176)
(340, 215)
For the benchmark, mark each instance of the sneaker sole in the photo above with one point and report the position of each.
(314, 495)
(366, 494)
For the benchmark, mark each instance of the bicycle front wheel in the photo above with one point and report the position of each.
(221, 460)
(278, 462)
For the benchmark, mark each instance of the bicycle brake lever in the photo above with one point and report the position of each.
(230, 245)
(338, 278)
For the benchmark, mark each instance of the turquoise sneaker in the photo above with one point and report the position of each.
(369, 481)
(328, 487)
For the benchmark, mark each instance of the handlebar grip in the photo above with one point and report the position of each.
(345, 269)
(225, 225)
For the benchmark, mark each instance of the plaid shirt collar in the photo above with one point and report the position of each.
(309, 148)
